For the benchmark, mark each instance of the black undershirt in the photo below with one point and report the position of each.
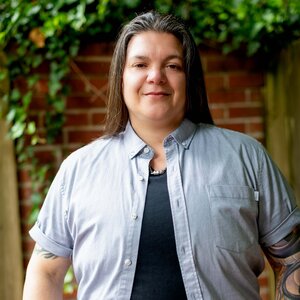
(158, 275)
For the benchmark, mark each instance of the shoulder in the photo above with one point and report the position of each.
(90, 154)
(221, 136)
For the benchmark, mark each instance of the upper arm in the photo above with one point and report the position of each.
(44, 263)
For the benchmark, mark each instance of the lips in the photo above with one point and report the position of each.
(158, 93)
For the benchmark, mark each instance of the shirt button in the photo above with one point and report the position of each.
(146, 150)
(140, 178)
(128, 262)
(134, 216)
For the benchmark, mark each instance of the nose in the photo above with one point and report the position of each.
(156, 76)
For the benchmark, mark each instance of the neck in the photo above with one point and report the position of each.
(154, 137)
(153, 134)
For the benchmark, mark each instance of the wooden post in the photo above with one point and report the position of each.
(11, 269)
(283, 121)
(283, 111)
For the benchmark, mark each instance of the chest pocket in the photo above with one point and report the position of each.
(234, 216)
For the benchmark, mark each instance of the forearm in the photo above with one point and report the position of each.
(285, 260)
(287, 277)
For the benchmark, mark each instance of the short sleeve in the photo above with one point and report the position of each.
(51, 230)
(278, 211)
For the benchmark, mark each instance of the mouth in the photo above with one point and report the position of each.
(157, 93)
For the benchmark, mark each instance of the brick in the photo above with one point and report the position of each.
(83, 136)
(25, 211)
(23, 175)
(98, 118)
(28, 243)
(96, 49)
(228, 63)
(246, 80)
(82, 102)
(21, 84)
(227, 96)
(92, 67)
(25, 228)
(43, 68)
(214, 82)
(69, 148)
(233, 126)
(256, 95)
(24, 193)
(242, 112)
(76, 119)
(77, 85)
(206, 51)
(41, 87)
(37, 117)
(45, 156)
(255, 127)
(38, 103)
(217, 113)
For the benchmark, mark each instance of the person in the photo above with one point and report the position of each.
(165, 205)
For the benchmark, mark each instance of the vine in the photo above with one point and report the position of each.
(37, 33)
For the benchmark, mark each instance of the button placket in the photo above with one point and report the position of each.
(179, 213)
(134, 216)
(128, 262)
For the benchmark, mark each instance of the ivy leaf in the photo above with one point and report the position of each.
(11, 114)
(15, 95)
(34, 215)
(3, 75)
(27, 99)
(252, 48)
(32, 80)
(31, 128)
(17, 130)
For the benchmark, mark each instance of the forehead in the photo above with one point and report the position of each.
(150, 43)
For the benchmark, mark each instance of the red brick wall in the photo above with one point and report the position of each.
(235, 90)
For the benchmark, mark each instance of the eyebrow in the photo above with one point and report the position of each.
(172, 56)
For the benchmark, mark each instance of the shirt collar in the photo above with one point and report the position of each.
(133, 143)
(183, 135)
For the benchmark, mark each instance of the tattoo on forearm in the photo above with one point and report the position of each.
(44, 253)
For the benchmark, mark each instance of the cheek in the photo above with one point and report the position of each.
(181, 86)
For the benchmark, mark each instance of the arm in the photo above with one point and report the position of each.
(45, 275)
(284, 258)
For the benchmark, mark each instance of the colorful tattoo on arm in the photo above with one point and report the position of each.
(284, 257)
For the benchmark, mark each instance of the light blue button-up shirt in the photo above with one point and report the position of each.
(227, 200)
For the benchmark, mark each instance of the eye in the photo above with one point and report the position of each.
(174, 67)
(139, 65)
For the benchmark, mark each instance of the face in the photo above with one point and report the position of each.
(154, 82)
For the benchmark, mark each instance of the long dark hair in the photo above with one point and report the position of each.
(197, 109)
